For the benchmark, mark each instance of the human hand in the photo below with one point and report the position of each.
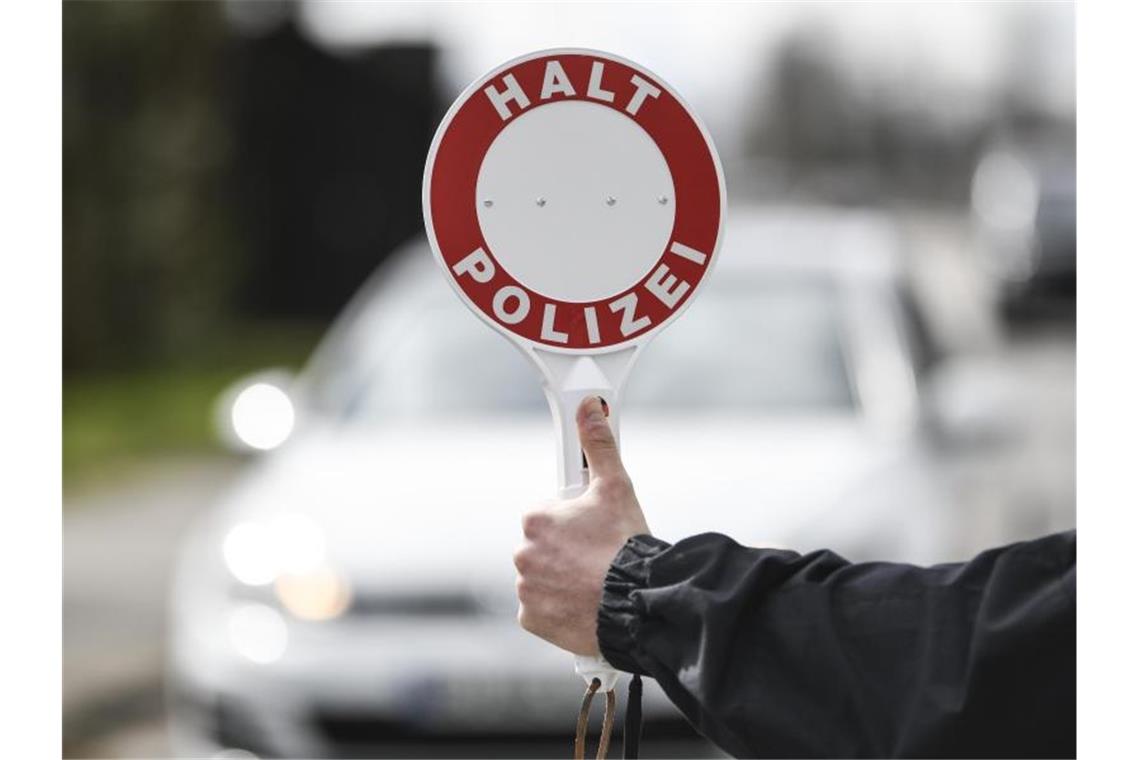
(569, 544)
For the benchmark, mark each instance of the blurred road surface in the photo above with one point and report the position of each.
(118, 547)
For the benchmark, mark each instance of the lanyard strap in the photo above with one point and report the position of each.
(584, 720)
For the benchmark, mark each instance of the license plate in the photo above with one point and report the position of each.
(492, 703)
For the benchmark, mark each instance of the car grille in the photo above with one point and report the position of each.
(430, 604)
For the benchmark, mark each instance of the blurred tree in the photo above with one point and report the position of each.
(148, 250)
(821, 119)
(844, 135)
(329, 159)
(216, 173)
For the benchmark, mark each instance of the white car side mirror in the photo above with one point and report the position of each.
(256, 413)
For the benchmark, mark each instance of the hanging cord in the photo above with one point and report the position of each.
(584, 720)
(631, 741)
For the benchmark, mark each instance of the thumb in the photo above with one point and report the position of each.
(597, 439)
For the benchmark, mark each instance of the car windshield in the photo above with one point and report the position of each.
(743, 347)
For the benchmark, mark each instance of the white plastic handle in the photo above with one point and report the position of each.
(596, 667)
(568, 380)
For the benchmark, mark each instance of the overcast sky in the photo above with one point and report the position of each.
(716, 54)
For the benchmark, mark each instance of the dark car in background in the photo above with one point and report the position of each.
(1024, 203)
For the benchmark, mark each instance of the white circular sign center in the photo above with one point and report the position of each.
(575, 201)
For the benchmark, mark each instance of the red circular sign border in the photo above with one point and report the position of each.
(462, 140)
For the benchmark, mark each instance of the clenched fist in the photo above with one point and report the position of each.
(569, 544)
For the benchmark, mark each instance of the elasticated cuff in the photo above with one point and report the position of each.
(619, 614)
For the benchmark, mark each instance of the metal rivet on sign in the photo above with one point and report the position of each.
(610, 200)
(541, 202)
(488, 203)
(662, 199)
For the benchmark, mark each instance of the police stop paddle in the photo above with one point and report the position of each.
(576, 205)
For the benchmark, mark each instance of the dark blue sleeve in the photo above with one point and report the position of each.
(777, 654)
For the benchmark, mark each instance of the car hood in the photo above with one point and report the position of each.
(426, 505)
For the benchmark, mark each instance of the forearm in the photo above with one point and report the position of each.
(775, 653)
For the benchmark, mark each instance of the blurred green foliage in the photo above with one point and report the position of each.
(116, 420)
(148, 241)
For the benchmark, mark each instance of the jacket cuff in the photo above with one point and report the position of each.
(619, 614)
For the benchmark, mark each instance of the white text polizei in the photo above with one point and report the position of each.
(511, 304)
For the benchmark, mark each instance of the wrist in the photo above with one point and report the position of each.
(620, 610)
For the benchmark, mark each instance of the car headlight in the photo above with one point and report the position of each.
(288, 554)
(322, 594)
(249, 554)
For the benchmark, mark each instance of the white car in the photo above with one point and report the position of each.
(357, 584)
